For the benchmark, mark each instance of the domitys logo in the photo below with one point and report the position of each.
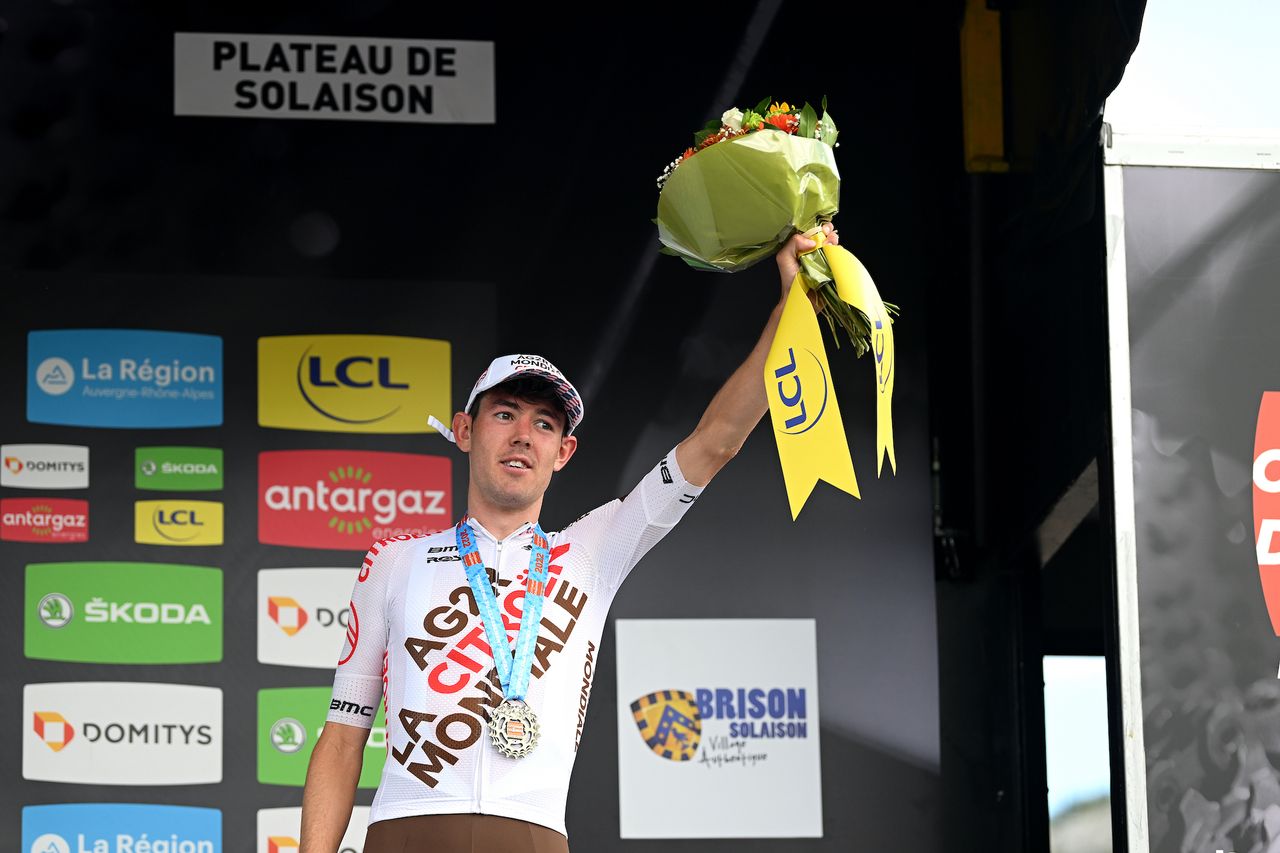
(53, 729)
(342, 499)
(287, 613)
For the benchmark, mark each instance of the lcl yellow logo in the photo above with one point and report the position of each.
(177, 522)
(352, 383)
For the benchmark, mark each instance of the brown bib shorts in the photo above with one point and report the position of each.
(462, 833)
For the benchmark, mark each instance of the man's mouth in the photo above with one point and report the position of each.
(520, 464)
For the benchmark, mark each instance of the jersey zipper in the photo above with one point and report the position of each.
(484, 736)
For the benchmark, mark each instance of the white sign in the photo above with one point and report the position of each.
(333, 77)
(44, 466)
(718, 729)
(279, 829)
(116, 733)
(303, 615)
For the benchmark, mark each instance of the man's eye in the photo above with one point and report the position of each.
(504, 414)
(544, 424)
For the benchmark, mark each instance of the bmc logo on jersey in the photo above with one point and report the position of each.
(124, 378)
(44, 466)
(116, 733)
(343, 499)
(303, 615)
(352, 383)
(289, 723)
(177, 522)
(54, 520)
(279, 829)
(120, 827)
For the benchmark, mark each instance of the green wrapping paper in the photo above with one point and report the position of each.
(736, 202)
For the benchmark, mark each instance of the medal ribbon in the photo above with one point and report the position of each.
(513, 669)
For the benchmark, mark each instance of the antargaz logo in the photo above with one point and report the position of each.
(178, 522)
(351, 383)
(54, 520)
(344, 499)
(137, 613)
(178, 469)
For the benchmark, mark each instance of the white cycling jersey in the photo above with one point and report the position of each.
(416, 640)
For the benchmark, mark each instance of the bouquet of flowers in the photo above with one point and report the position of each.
(752, 179)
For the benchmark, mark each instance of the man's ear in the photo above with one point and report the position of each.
(568, 445)
(462, 431)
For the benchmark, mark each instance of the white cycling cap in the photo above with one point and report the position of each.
(506, 367)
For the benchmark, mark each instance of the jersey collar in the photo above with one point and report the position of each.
(520, 532)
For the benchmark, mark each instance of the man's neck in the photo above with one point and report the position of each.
(501, 521)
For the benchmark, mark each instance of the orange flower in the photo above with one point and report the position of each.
(783, 121)
(688, 152)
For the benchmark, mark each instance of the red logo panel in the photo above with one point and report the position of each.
(1266, 501)
(58, 520)
(343, 499)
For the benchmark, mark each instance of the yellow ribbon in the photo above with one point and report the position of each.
(802, 399)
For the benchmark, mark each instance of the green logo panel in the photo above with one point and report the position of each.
(178, 469)
(289, 721)
(123, 613)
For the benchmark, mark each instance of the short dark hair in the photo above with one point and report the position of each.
(528, 388)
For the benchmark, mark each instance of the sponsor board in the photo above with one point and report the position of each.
(303, 615)
(338, 78)
(117, 733)
(344, 499)
(125, 378)
(716, 746)
(178, 469)
(120, 828)
(289, 722)
(44, 466)
(46, 520)
(123, 613)
(279, 830)
(352, 383)
(177, 522)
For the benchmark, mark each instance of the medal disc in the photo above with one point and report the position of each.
(513, 728)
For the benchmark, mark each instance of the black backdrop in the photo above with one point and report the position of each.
(551, 206)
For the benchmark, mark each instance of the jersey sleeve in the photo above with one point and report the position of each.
(619, 533)
(357, 684)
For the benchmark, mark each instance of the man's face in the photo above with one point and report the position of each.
(515, 445)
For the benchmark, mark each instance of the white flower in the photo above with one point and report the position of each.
(732, 118)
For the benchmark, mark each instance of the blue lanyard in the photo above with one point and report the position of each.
(513, 670)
